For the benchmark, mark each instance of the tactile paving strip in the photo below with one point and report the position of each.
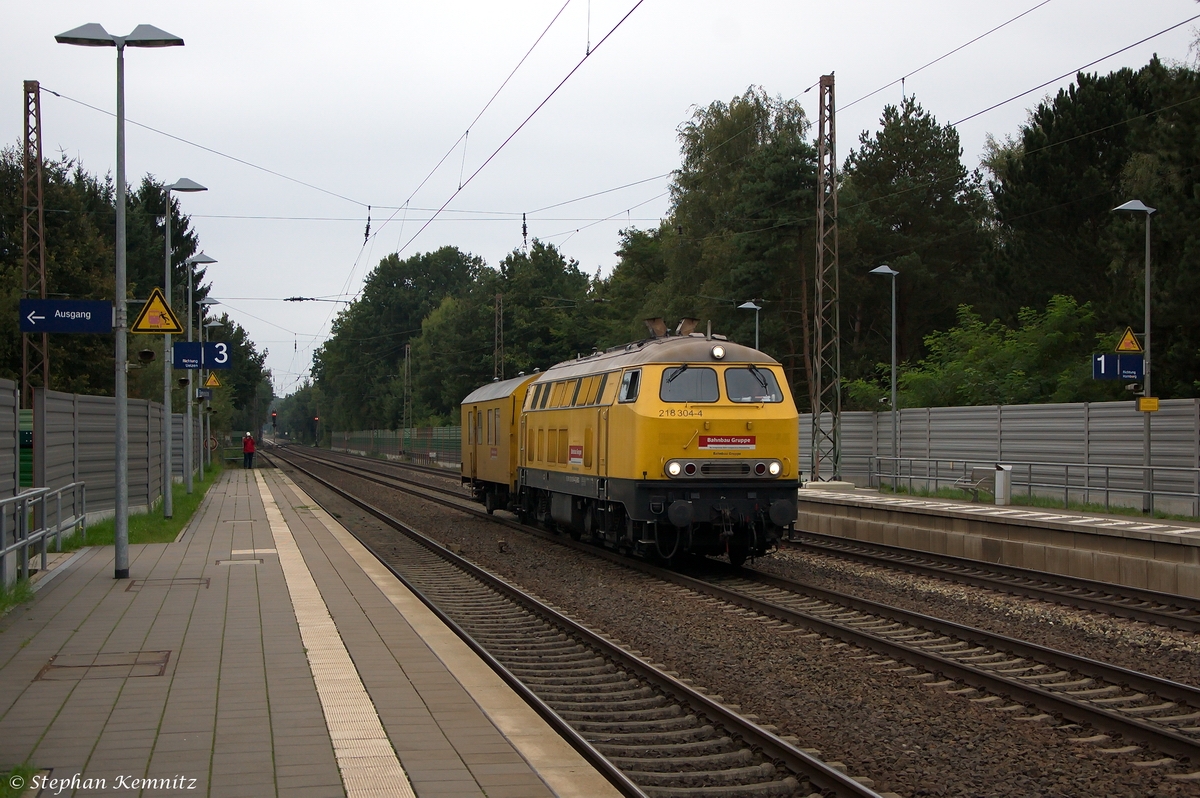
(364, 754)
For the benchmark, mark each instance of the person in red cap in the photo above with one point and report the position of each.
(248, 451)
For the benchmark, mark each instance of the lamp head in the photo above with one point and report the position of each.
(183, 184)
(884, 269)
(1137, 206)
(200, 258)
(93, 34)
(749, 306)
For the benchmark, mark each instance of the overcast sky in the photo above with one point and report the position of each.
(360, 100)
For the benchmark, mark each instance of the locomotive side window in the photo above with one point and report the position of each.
(470, 427)
(545, 397)
(689, 384)
(752, 385)
(631, 382)
(574, 392)
(608, 389)
(534, 395)
(599, 396)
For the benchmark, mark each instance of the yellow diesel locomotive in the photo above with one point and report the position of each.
(674, 444)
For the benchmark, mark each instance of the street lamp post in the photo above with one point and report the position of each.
(756, 308)
(188, 436)
(1137, 206)
(182, 184)
(94, 35)
(888, 270)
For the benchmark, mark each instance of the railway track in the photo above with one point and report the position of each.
(1033, 682)
(1162, 609)
(663, 735)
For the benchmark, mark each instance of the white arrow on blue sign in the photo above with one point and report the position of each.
(65, 316)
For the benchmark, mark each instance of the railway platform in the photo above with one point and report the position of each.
(265, 652)
(1151, 554)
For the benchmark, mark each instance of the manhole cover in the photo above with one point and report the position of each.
(122, 665)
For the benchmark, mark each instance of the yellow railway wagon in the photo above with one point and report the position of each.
(489, 445)
(675, 444)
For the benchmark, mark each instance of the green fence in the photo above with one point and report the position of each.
(428, 445)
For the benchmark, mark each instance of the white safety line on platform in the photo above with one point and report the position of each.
(367, 762)
(557, 764)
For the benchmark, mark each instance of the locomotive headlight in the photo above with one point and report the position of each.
(718, 352)
(673, 468)
(775, 468)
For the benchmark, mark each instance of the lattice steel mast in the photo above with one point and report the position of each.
(35, 347)
(827, 372)
(498, 350)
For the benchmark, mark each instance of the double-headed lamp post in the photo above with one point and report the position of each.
(1137, 206)
(756, 308)
(94, 35)
(888, 270)
(188, 437)
(182, 184)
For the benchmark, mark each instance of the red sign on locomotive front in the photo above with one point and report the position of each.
(727, 441)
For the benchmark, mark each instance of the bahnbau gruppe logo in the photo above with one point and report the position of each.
(711, 442)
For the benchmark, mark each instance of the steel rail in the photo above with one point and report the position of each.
(1183, 612)
(774, 747)
(1162, 738)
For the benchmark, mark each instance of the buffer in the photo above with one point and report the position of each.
(157, 316)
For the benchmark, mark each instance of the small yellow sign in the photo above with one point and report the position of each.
(1147, 404)
(1129, 342)
(212, 381)
(157, 316)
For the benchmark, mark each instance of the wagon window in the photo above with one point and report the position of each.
(470, 427)
(752, 385)
(630, 383)
(689, 384)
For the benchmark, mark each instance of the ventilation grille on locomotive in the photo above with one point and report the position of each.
(725, 469)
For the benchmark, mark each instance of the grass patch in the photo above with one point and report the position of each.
(17, 593)
(20, 775)
(1025, 500)
(151, 527)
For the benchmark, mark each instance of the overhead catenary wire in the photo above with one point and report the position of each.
(524, 122)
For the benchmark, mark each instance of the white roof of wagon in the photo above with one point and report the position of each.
(497, 390)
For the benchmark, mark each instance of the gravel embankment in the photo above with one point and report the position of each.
(911, 739)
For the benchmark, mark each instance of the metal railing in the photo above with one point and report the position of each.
(25, 520)
(1081, 480)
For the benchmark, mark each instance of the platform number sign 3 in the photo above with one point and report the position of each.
(217, 355)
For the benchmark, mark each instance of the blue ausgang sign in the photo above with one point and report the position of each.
(65, 316)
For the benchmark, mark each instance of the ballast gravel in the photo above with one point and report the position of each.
(908, 738)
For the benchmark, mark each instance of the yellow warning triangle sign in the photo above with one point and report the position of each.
(157, 316)
(212, 381)
(1129, 342)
